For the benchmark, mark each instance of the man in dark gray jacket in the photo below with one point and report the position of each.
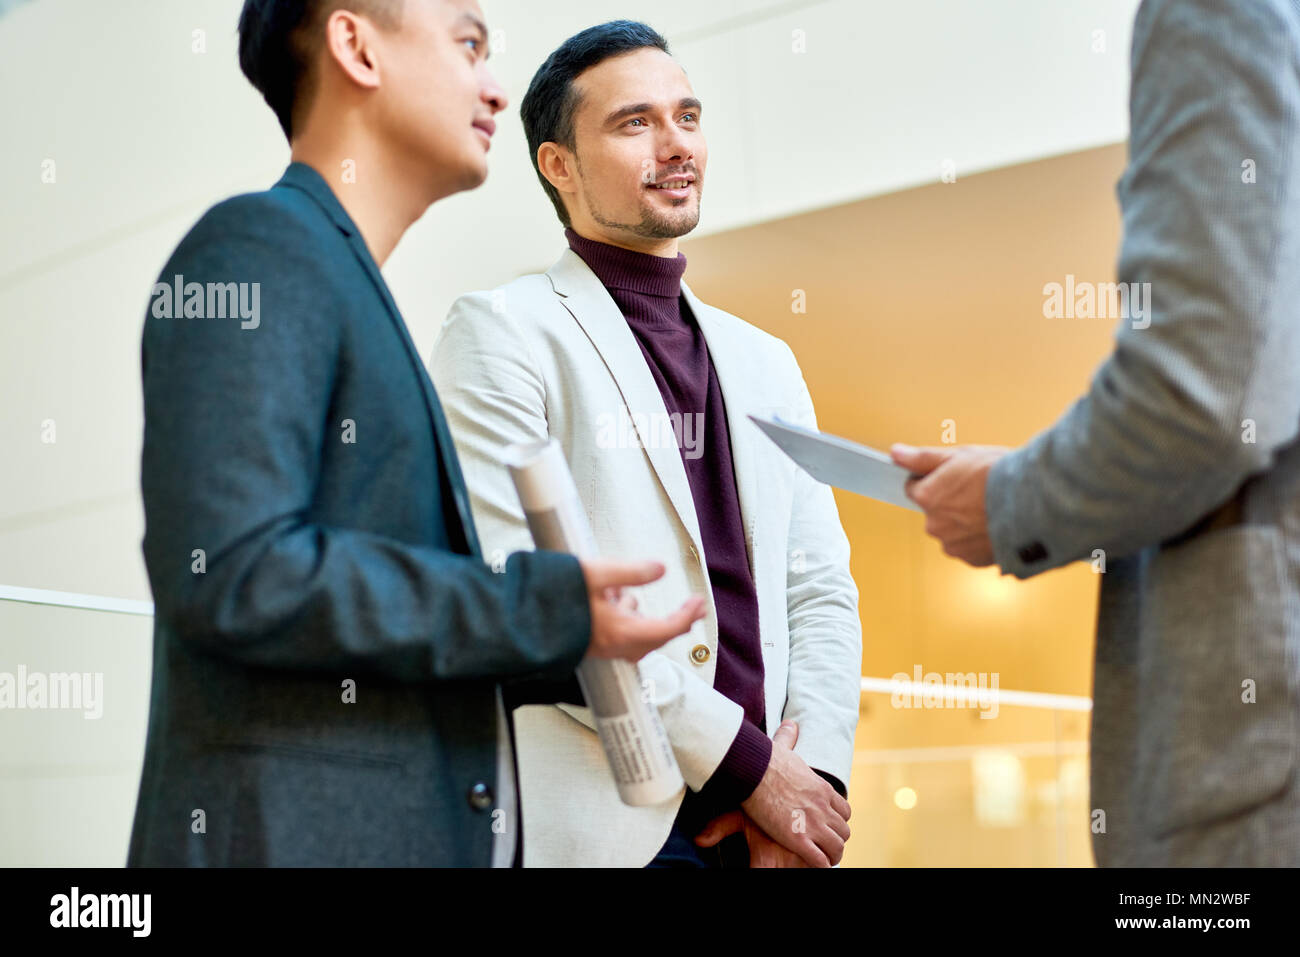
(329, 645)
(1178, 474)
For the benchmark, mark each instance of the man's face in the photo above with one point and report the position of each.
(438, 97)
(640, 152)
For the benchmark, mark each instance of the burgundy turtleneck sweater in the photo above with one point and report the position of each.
(647, 289)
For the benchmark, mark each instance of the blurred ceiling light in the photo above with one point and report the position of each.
(992, 586)
(905, 799)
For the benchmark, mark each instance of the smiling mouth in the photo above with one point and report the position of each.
(487, 129)
(672, 184)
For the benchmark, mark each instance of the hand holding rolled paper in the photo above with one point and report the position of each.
(635, 742)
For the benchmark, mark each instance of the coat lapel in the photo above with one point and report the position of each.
(303, 177)
(595, 311)
(734, 375)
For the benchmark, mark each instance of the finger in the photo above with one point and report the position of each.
(916, 487)
(918, 461)
(720, 827)
(832, 845)
(654, 632)
(605, 574)
(775, 855)
(786, 735)
(680, 621)
(913, 485)
(628, 603)
(840, 805)
(837, 824)
(811, 854)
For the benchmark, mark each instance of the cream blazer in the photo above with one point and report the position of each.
(551, 355)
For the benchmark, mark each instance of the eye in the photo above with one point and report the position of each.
(690, 118)
(475, 41)
(636, 119)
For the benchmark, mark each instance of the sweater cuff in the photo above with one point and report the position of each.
(834, 782)
(744, 765)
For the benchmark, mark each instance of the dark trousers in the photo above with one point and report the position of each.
(680, 850)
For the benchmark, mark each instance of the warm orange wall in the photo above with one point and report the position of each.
(923, 306)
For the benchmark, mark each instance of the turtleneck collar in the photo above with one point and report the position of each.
(619, 268)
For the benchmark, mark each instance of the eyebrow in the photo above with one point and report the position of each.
(482, 30)
(685, 103)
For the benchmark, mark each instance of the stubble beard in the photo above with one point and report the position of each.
(654, 223)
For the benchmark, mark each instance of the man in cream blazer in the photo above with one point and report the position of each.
(550, 355)
(553, 355)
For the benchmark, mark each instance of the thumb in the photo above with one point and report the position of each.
(786, 735)
(720, 827)
(918, 461)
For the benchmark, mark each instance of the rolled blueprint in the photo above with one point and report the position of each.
(629, 727)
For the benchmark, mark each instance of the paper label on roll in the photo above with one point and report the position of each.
(630, 730)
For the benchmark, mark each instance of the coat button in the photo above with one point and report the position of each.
(1032, 553)
(480, 797)
(700, 654)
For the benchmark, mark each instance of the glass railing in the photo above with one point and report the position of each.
(941, 776)
(72, 727)
(953, 780)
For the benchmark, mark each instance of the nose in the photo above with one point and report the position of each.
(676, 147)
(491, 92)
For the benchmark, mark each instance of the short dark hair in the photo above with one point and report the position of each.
(548, 106)
(279, 41)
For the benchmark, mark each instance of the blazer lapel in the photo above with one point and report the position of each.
(733, 374)
(446, 447)
(590, 304)
(303, 177)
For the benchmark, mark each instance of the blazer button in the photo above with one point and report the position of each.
(700, 654)
(1032, 553)
(480, 797)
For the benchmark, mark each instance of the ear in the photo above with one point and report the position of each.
(350, 43)
(558, 166)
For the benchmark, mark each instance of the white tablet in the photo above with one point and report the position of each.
(836, 461)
